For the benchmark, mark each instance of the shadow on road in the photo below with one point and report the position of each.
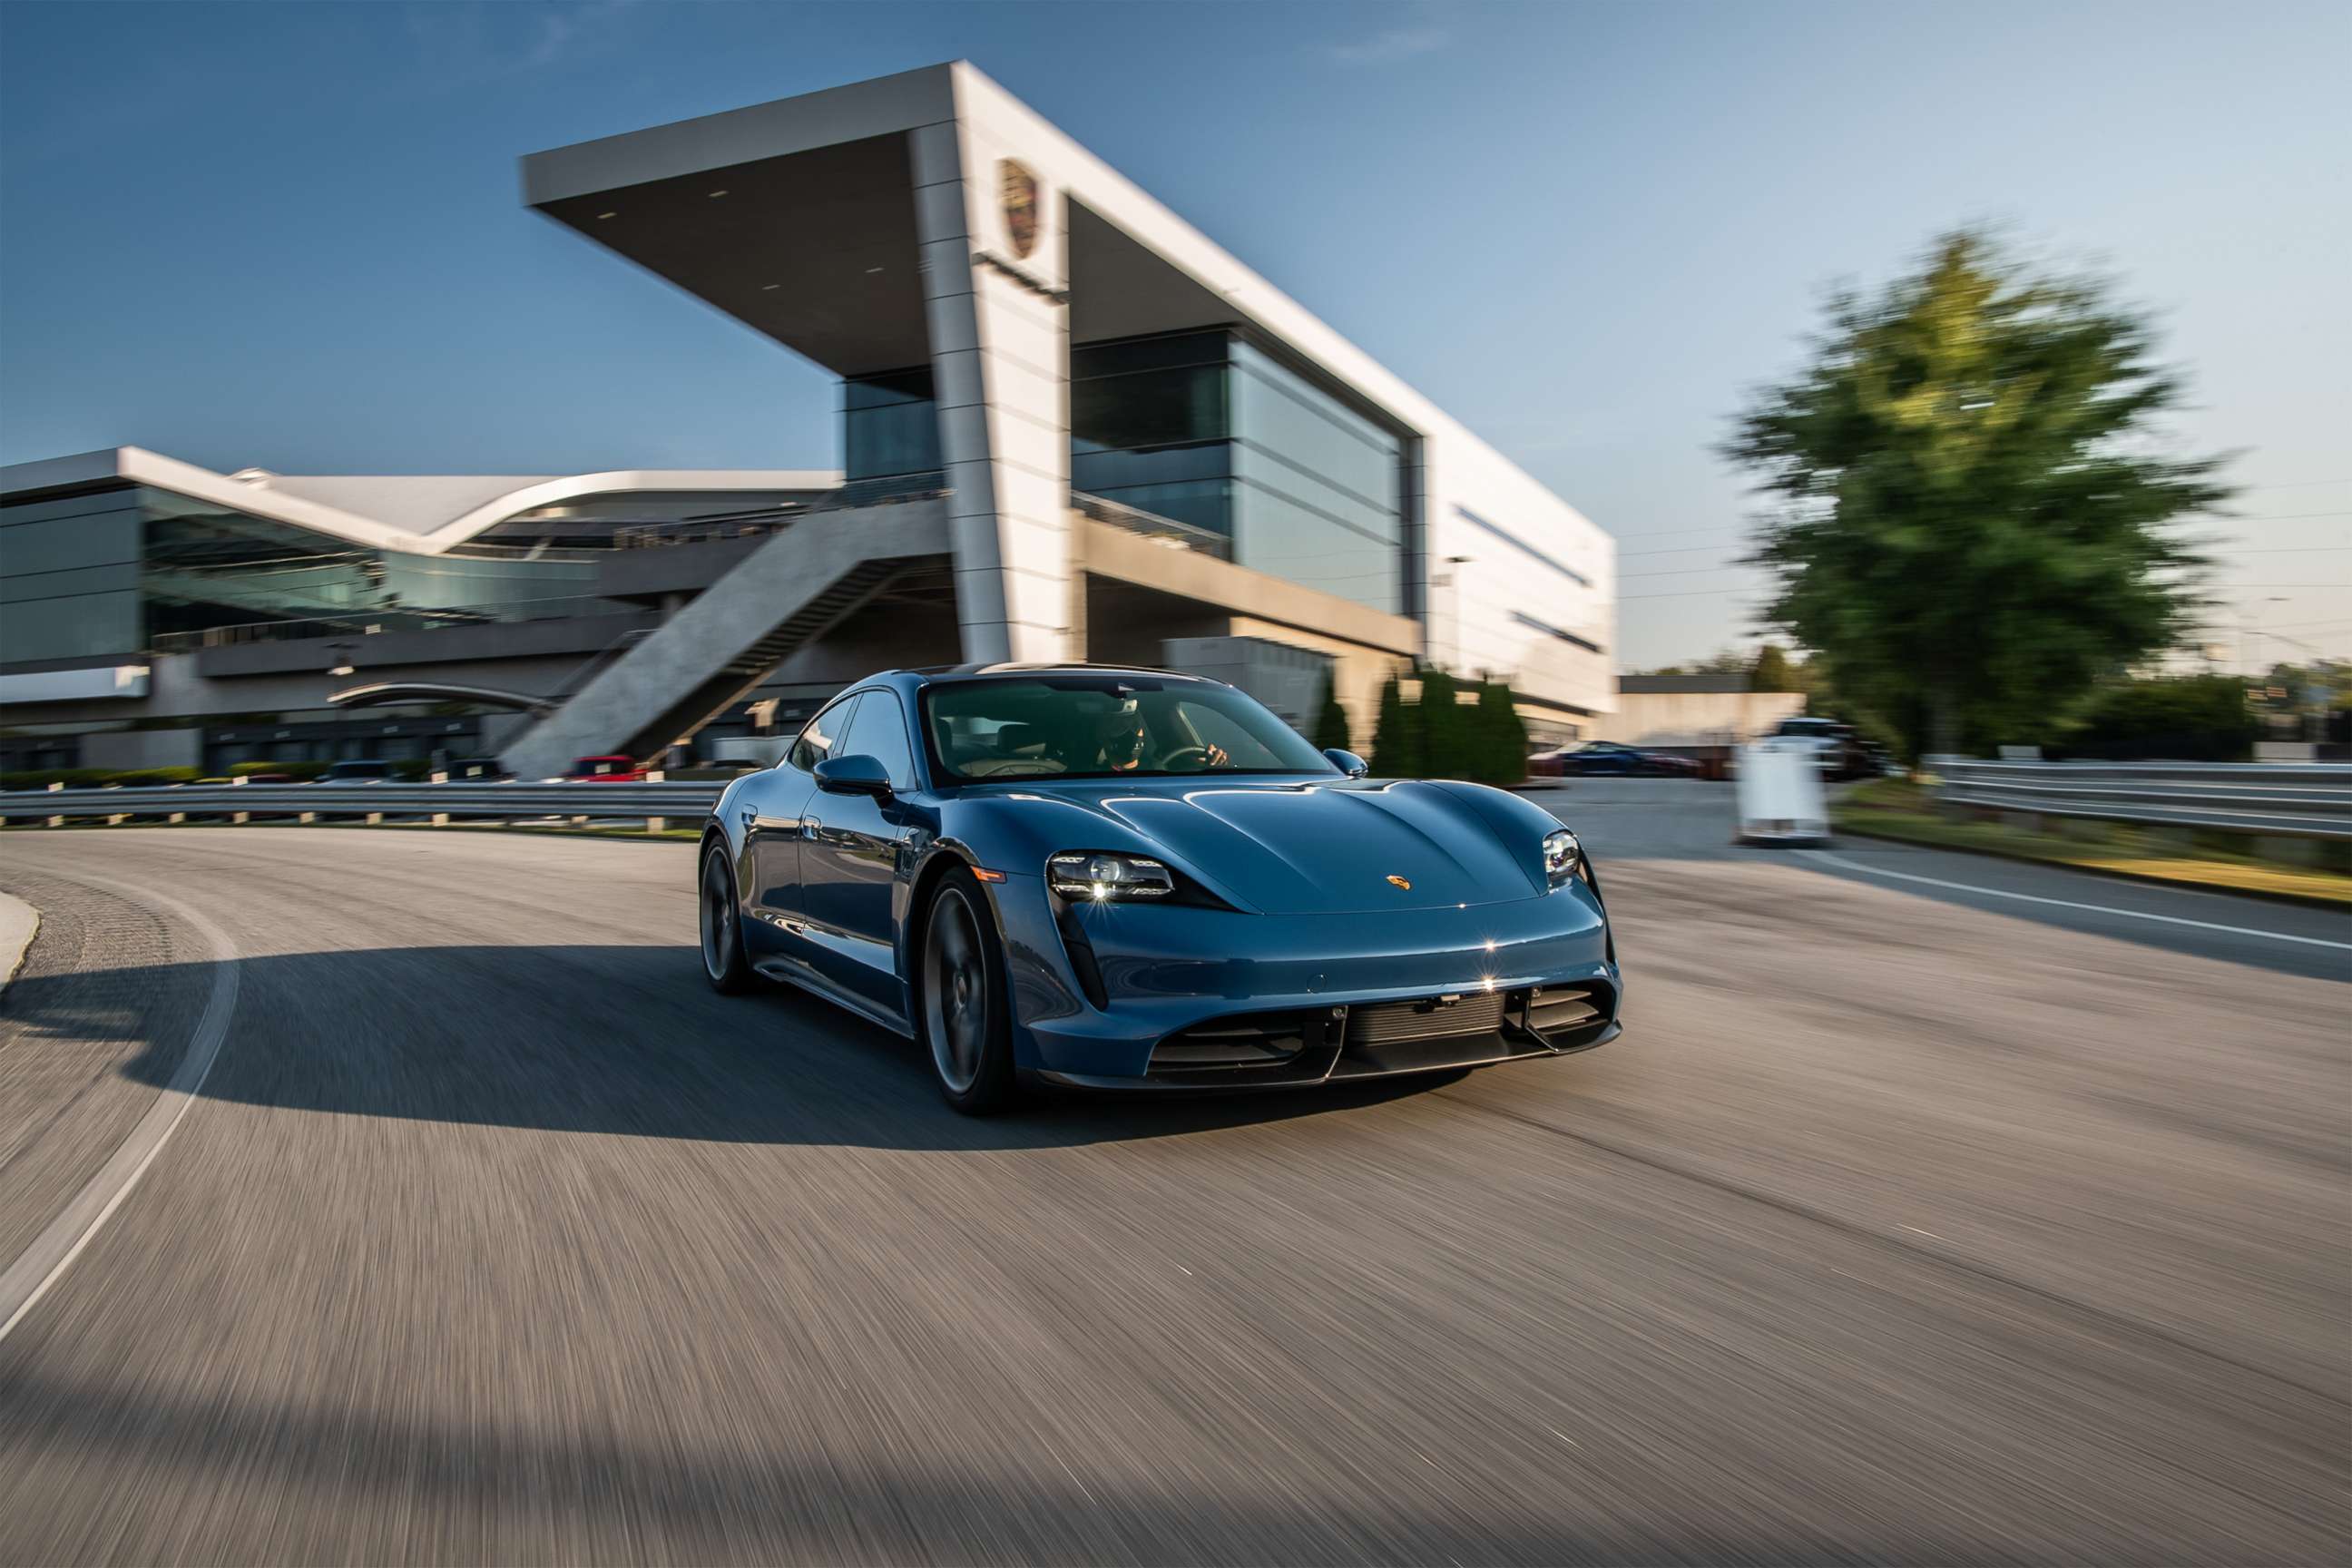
(322, 1477)
(617, 1040)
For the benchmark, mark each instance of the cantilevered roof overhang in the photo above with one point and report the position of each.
(796, 217)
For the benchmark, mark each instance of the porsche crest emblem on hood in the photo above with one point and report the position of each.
(1399, 883)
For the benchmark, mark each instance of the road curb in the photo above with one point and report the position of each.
(18, 922)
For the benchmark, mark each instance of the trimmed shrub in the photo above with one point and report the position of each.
(1503, 736)
(2184, 719)
(291, 770)
(1396, 748)
(1331, 719)
(42, 778)
(1445, 730)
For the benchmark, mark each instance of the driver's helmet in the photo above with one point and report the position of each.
(1119, 733)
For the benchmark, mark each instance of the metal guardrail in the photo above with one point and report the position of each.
(2287, 800)
(655, 803)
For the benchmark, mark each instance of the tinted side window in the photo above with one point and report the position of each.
(818, 736)
(879, 730)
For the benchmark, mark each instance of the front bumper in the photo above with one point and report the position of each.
(1160, 971)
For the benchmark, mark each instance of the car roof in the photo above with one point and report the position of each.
(934, 674)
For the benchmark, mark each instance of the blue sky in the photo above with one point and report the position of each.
(289, 234)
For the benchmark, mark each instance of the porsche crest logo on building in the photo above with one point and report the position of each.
(1399, 883)
(1018, 184)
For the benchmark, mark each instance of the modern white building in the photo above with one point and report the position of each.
(1072, 428)
(1008, 311)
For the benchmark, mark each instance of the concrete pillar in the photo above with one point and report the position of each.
(995, 255)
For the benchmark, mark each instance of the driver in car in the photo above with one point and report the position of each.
(1125, 744)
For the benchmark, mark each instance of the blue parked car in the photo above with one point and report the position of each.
(1128, 879)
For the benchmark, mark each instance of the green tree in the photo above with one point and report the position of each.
(1972, 496)
(1771, 672)
(1395, 754)
(1444, 737)
(1331, 719)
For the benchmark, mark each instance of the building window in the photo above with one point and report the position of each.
(891, 425)
(1208, 429)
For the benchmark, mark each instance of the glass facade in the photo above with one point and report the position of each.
(595, 522)
(1150, 426)
(1210, 430)
(118, 571)
(1317, 487)
(890, 427)
(69, 578)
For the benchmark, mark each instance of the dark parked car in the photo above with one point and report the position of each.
(1128, 879)
(1607, 758)
(478, 770)
(357, 770)
(1839, 752)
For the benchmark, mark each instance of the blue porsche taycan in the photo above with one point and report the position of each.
(1136, 879)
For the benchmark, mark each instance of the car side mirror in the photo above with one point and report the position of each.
(855, 774)
(1348, 763)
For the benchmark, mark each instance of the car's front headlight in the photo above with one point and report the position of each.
(1098, 876)
(1561, 854)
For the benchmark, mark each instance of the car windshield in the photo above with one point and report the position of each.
(1091, 726)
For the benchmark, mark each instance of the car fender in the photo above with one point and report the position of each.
(1517, 823)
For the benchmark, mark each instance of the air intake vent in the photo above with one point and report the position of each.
(1258, 1040)
(1558, 1009)
(1427, 1018)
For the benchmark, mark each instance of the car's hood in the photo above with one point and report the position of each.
(1291, 847)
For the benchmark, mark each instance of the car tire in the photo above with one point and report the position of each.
(963, 1009)
(724, 962)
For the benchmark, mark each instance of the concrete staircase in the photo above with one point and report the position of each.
(716, 650)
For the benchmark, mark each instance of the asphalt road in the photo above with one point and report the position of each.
(1903, 1223)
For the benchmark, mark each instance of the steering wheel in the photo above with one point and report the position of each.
(1175, 761)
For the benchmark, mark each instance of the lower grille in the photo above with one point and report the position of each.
(1426, 1018)
(1263, 1039)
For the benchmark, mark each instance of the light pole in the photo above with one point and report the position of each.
(1452, 579)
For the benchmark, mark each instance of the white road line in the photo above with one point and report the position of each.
(1828, 858)
(28, 1279)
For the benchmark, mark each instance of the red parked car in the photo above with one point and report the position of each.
(606, 770)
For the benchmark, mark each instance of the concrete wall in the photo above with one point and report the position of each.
(123, 749)
(1697, 718)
